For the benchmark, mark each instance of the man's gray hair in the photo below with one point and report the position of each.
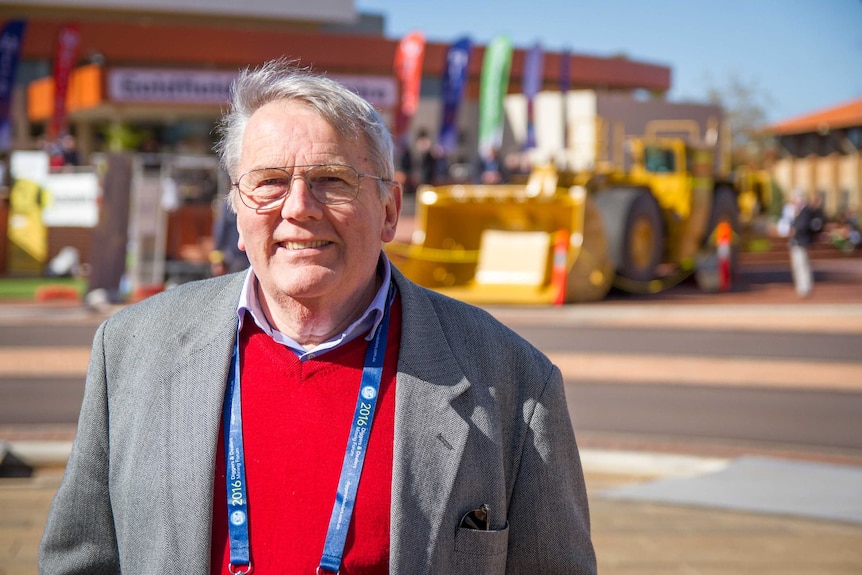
(351, 116)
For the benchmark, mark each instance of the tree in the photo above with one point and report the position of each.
(744, 104)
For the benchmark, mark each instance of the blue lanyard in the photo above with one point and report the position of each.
(237, 493)
(351, 469)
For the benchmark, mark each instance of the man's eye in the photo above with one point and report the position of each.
(272, 182)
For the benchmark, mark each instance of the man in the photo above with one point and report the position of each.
(227, 423)
(806, 227)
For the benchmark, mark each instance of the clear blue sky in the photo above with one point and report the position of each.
(799, 55)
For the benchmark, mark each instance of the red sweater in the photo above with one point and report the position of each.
(296, 421)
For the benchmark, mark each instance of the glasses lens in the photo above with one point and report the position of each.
(333, 184)
(264, 188)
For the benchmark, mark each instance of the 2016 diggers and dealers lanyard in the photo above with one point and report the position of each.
(351, 470)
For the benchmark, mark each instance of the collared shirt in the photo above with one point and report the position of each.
(249, 301)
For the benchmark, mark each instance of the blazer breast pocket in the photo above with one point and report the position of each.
(481, 552)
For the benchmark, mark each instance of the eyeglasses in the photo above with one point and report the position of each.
(330, 184)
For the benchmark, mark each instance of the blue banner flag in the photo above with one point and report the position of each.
(532, 81)
(11, 39)
(565, 71)
(454, 81)
(533, 68)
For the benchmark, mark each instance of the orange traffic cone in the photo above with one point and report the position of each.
(723, 236)
(560, 272)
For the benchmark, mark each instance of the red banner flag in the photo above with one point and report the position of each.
(65, 56)
(408, 69)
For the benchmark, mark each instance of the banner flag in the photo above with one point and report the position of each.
(565, 71)
(454, 82)
(65, 56)
(11, 39)
(565, 85)
(408, 70)
(496, 66)
(532, 81)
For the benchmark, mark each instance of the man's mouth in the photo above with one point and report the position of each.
(303, 245)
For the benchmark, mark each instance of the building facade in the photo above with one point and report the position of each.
(821, 153)
(129, 49)
(151, 76)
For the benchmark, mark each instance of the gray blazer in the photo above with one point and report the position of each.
(480, 417)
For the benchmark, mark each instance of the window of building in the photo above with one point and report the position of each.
(830, 143)
(843, 200)
(808, 145)
(792, 144)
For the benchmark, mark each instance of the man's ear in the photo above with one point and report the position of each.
(392, 207)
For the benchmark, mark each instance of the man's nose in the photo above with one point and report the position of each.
(299, 202)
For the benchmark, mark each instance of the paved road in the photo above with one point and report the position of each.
(645, 376)
(811, 424)
(694, 341)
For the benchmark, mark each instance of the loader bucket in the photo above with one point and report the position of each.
(507, 244)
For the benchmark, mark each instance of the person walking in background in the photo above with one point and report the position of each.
(429, 159)
(491, 171)
(320, 412)
(807, 225)
(226, 256)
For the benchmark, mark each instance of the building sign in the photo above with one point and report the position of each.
(155, 86)
(380, 91)
(152, 86)
(72, 200)
(27, 246)
(61, 199)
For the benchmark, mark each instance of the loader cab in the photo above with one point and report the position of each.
(658, 159)
(661, 164)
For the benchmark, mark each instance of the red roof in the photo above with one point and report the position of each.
(844, 116)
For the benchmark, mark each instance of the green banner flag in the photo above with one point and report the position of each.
(494, 83)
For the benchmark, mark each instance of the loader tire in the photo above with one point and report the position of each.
(635, 231)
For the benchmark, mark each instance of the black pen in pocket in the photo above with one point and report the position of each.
(479, 519)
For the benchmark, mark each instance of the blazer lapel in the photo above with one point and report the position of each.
(430, 432)
(194, 412)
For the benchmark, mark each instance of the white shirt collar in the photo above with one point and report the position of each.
(367, 322)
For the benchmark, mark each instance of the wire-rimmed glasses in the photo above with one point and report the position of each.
(265, 189)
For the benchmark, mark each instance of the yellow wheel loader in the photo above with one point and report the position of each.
(569, 237)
